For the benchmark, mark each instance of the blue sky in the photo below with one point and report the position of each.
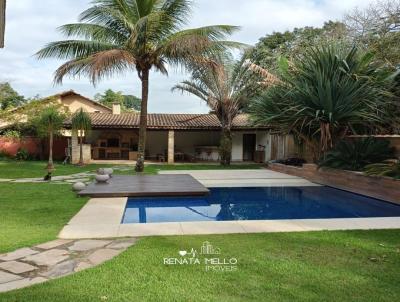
(31, 24)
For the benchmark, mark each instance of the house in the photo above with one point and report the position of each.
(176, 137)
(2, 21)
(170, 137)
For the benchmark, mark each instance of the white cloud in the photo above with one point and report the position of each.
(31, 24)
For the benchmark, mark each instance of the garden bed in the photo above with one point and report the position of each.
(375, 186)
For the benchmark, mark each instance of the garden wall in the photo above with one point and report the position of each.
(36, 147)
(379, 187)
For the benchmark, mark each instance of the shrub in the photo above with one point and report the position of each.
(358, 153)
(5, 155)
(12, 134)
(390, 169)
(22, 154)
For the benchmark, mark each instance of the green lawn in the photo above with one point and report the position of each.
(315, 266)
(27, 169)
(34, 213)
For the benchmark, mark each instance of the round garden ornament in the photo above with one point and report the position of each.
(78, 186)
(108, 171)
(102, 178)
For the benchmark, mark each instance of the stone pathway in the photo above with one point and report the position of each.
(54, 259)
(62, 179)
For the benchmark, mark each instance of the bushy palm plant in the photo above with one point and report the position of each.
(81, 124)
(389, 168)
(226, 86)
(49, 123)
(323, 95)
(355, 154)
(125, 35)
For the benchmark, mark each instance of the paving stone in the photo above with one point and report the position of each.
(82, 266)
(48, 258)
(53, 244)
(20, 283)
(61, 269)
(17, 254)
(122, 244)
(103, 255)
(7, 277)
(85, 245)
(17, 267)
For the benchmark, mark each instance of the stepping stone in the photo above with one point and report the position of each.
(48, 258)
(20, 283)
(85, 245)
(103, 255)
(61, 269)
(122, 244)
(17, 267)
(82, 266)
(52, 244)
(17, 254)
(6, 277)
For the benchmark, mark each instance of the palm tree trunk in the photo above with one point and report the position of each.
(143, 121)
(80, 151)
(226, 147)
(50, 164)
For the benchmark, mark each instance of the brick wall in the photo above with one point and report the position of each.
(379, 187)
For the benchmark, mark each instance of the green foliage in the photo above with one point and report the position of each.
(132, 102)
(9, 98)
(327, 93)
(389, 168)
(127, 102)
(355, 154)
(12, 134)
(290, 44)
(22, 154)
(49, 121)
(81, 122)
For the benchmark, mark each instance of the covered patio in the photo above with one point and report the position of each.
(176, 138)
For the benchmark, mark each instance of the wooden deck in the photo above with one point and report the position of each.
(146, 185)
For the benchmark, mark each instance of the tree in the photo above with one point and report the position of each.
(289, 44)
(377, 28)
(81, 124)
(141, 35)
(226, 87)
(132, 102)
(110, 97)
(49, 123)
(9, 98)
(324, 95)
(127, 102)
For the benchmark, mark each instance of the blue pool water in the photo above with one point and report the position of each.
(258, 204)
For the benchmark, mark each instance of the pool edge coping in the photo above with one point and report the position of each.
(102, 218)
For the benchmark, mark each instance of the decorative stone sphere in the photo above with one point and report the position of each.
(102, 178)
(108, 171)
(78, 186)
(101, 171)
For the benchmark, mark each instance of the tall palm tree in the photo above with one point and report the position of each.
(81, 124)
(325, 94)
(226, 86)
(49, 123)
(141, 35)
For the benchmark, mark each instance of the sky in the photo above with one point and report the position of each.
(31, 24)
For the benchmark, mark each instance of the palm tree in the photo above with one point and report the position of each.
(49, 123)
(325, 94)
(226, 86)
(81, 124)
(141, 35)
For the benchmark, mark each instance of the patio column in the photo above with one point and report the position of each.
(171, 144)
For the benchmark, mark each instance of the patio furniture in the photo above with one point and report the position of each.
(161, 158)
(179, 156)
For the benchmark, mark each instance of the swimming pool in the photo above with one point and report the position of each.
(260, 203)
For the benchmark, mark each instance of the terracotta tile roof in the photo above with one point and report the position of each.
(167, 121)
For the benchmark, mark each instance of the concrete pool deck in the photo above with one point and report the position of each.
(101, 217)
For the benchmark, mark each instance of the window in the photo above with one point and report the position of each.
(113, 142)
